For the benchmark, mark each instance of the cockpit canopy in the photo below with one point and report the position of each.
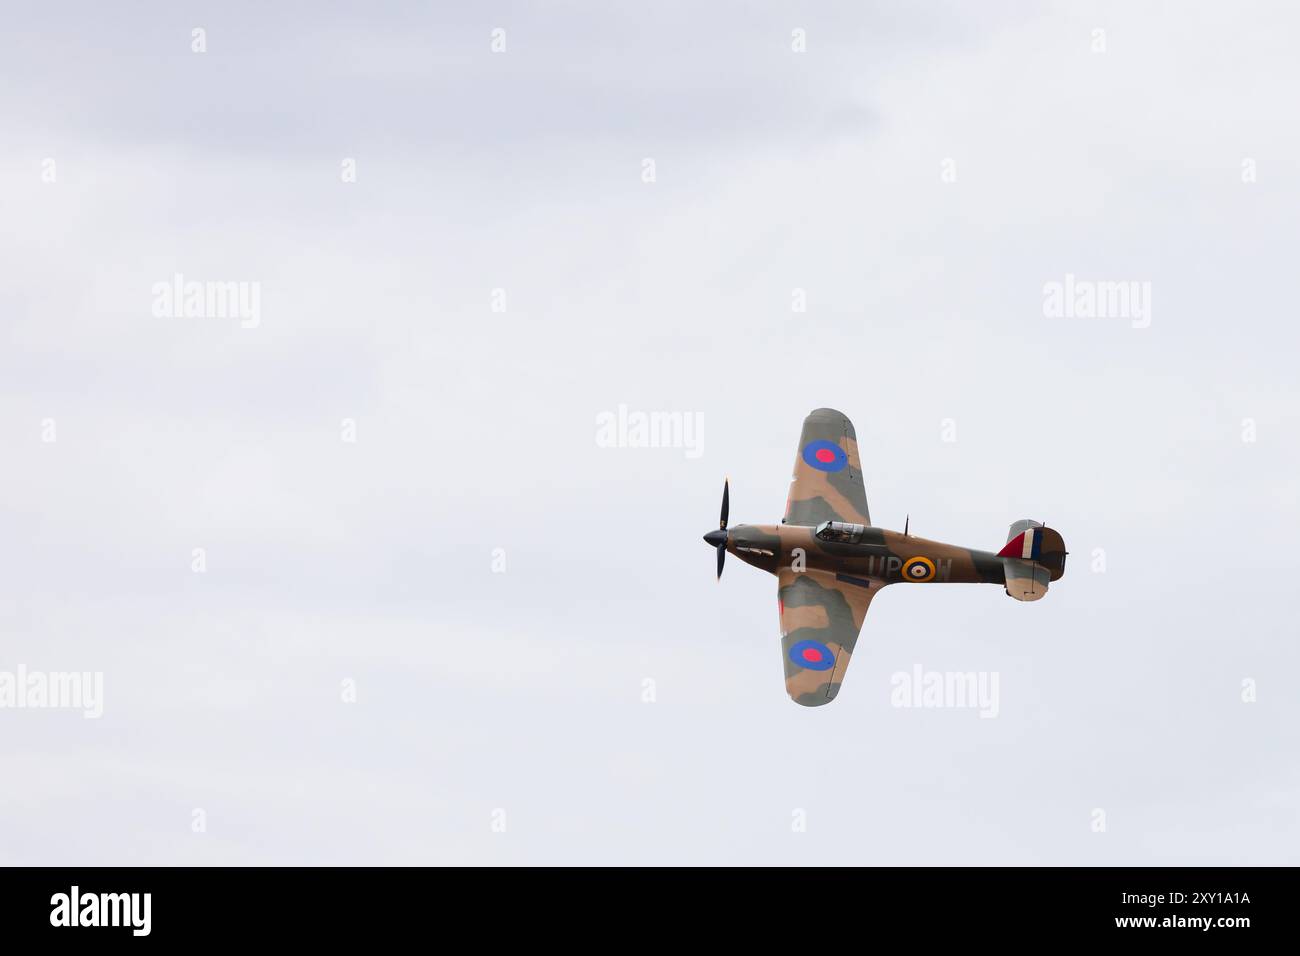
(840, 532)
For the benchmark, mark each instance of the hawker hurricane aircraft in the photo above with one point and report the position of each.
(830, 562)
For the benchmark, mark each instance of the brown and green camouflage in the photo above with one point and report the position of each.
(830, 562)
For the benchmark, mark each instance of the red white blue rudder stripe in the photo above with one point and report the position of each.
(1027, 545)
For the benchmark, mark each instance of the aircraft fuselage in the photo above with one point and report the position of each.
(877, 554)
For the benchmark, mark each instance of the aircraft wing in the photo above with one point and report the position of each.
(827, 483)
(821, 614)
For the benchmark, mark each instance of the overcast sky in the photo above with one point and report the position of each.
(496, 586)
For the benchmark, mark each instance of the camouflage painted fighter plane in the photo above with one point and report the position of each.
(830, 562)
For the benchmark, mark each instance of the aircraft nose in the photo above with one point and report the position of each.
(717, 537)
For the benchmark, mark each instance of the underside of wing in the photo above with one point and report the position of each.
(821, 615)
(827, 483)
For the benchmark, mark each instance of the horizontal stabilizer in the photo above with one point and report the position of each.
(1026, 581)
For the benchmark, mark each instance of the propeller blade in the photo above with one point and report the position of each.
(722, 556)
(726, 506)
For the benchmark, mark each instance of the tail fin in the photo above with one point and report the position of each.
(1033, 557)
